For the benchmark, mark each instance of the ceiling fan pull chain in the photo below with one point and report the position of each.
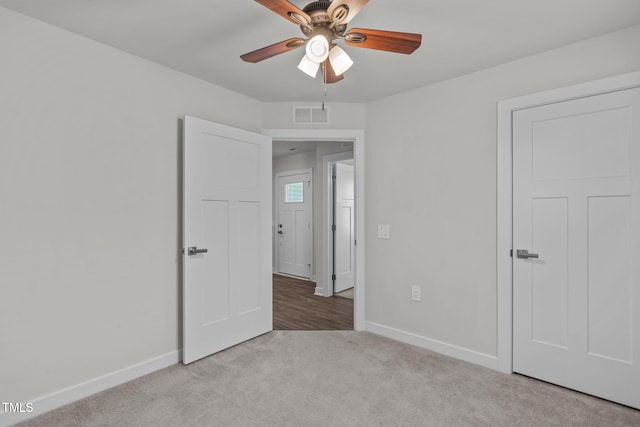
(325, 95)
(324, 81)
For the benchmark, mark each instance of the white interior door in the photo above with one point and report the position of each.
(576, 193)
(227, 237)
(344, 238)
(294, 228)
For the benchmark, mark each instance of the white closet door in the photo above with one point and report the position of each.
(576, 194)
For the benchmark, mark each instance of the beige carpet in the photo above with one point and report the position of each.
(336, 378)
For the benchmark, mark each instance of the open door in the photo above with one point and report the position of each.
(344, 230)
(227, 237)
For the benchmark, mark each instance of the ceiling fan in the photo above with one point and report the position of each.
(324, 22)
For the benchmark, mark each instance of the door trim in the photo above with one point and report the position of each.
(504, 271)
(276, 202)
(357, 137)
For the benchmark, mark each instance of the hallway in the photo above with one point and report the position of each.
(295, 307)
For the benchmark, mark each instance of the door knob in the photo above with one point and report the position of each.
(280, 232)
(524, 253)
(193, 250)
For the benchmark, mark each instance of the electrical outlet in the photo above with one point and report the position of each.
(416, 293)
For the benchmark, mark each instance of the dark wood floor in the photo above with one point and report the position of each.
(295, 307)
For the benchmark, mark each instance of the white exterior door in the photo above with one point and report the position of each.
(227, 237)
(294, 228)
(576, 204)
(344, 238)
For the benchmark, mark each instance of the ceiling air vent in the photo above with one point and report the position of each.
(310, 115)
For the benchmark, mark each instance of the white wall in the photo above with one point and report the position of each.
(89, 205)
(431, 175)
(294, 162)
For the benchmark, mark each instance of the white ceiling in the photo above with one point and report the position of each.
(288, 148)
(205, 38)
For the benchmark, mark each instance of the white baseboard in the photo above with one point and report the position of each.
(306, 279)
(451, 350)
(80, 391)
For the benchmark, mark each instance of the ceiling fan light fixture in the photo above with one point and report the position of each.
(339, 60)
(318, 48)
(308, 66)
(323, 22)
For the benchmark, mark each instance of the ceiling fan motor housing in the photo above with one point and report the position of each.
(317, 5)
(322, 23)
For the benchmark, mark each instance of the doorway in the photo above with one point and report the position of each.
(303, 154)
(568, 235)
(356, 137)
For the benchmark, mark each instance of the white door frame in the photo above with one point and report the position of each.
(504, 192)
(326, 288)
(357, 137)
(277, 199)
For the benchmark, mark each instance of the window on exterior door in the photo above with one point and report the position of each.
(294, 193)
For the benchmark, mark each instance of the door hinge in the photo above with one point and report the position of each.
(333, 227)
(333, 178)
(333, 277)
(511, 253)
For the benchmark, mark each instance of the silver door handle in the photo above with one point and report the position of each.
(523, 253)
(193, 250)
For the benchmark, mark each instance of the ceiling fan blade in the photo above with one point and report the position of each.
(390, 41)
(273, 50)
(329, 73)
(287, 10)
(343, 11)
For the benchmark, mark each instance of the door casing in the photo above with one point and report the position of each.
(504, 192)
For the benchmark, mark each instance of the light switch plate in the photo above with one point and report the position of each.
(416, 293)
(384, 231)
